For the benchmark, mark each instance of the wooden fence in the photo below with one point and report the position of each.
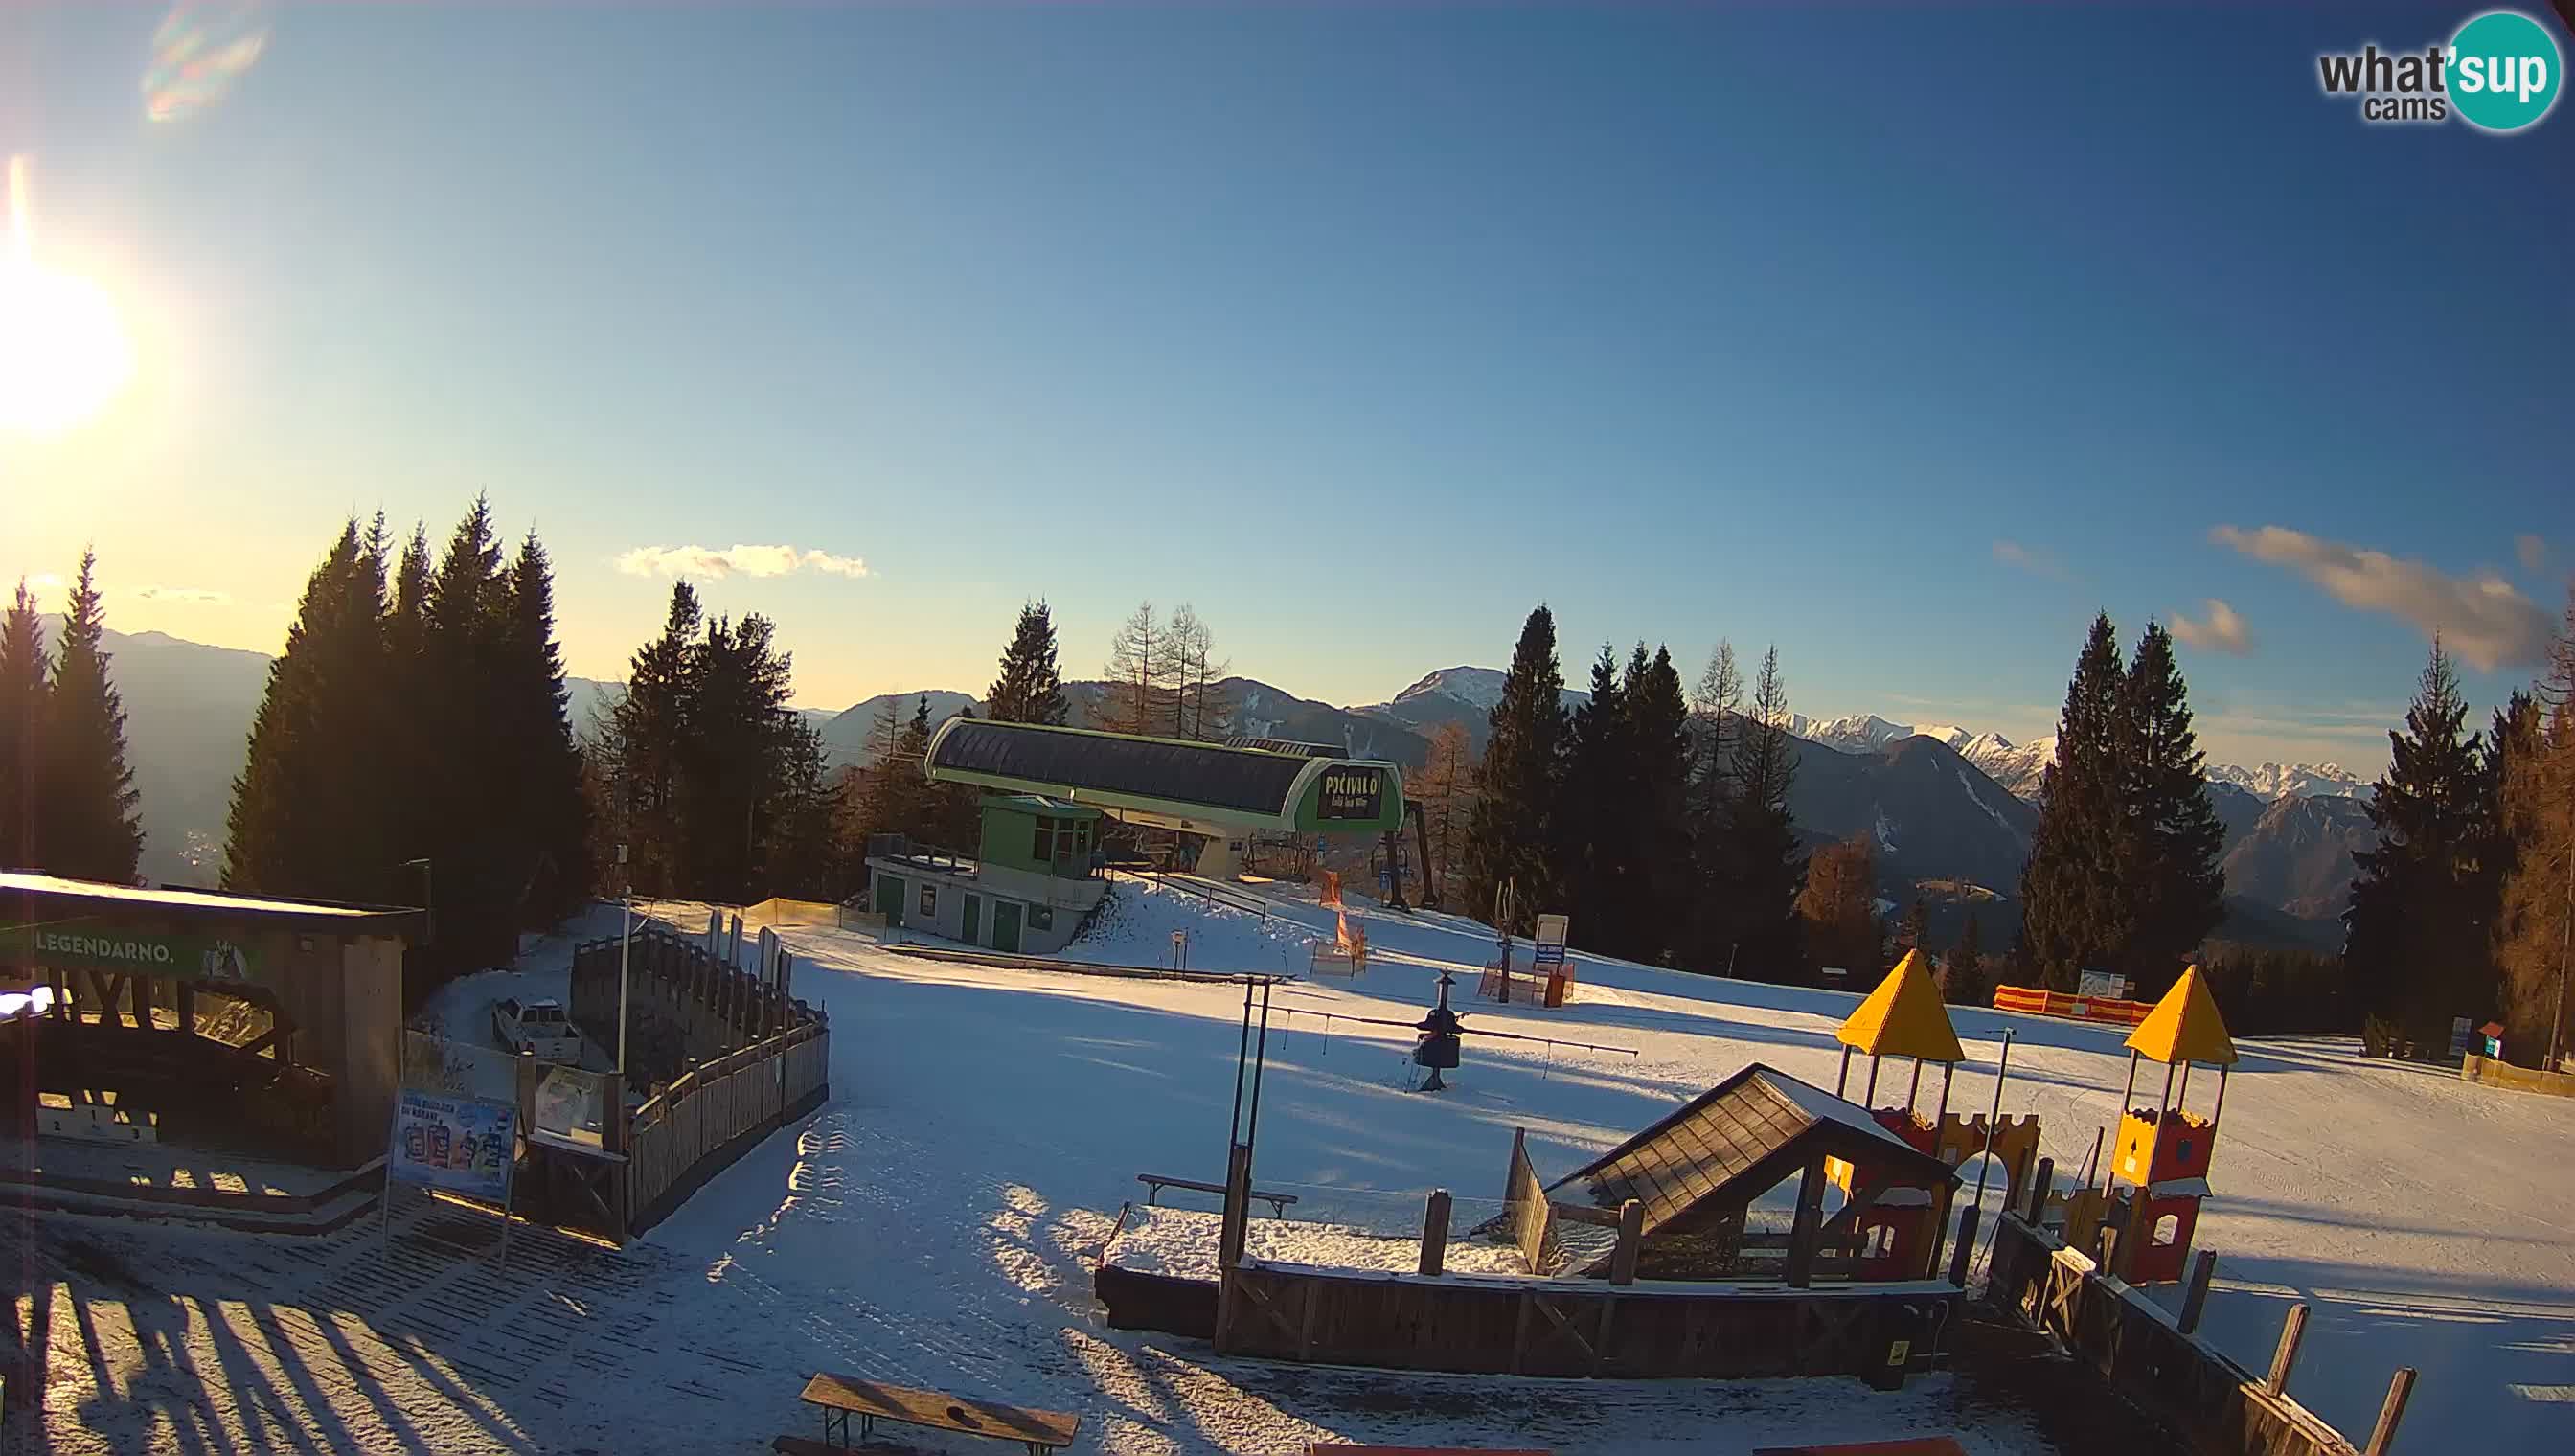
(2495, 1073)
(2212, 1405)
(1475, 1324)
(690, 1130)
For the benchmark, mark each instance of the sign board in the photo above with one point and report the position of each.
(186, 958)
(1550, 940)
(568, 1104)
(1351, 794)
(462, 1144)
(2101, 986)
(2462, 1036)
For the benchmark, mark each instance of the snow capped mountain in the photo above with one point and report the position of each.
(2300, 780)
(1867, 732)
(1454, 694)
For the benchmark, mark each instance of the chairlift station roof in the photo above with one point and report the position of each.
(1206, 787)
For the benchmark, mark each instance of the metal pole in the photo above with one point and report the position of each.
(1914, 1089)
(1842, 1082)
(625, 962)
(2001, 1070)
(1869, 1097)
(1260, 1064)
(2128, 1094)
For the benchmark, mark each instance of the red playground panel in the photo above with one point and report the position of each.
(1918, 1446)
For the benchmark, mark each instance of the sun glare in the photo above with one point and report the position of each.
(63, 351)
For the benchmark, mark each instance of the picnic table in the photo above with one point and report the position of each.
(842, 1396)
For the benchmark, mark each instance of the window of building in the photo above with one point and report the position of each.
(1040, 917)
(1044, 847)
(930, 899)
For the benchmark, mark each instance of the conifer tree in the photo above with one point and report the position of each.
(1964, 980)
(1513, 827)
(1760, 867)
(2415, 935)
(546, 811)
(643, 744)
(2073, 909)
(26, 677)
(305, 818)
(89, 826)
(1594, 829)
(1660, 735)
(1908, 930)
(1031, 686)
(482, 867)
(2173, 887)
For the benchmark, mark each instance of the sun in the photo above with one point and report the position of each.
(63, 349)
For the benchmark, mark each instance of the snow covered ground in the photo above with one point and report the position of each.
(935, 1224)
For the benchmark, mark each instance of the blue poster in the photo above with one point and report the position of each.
(463, 1144)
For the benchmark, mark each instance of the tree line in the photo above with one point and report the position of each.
(1657, 819)
(412, 744)
(2464, 906)
(67, 798)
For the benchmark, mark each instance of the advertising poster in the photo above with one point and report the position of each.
(462, 1144)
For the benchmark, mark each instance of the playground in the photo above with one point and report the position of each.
(940, 1220)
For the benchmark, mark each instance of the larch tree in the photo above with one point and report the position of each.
(2535, 923)
(1030, 687)
(1838, 907)
(1715, 723)
(2415, 937)
(1448, 796)
(26, 677)
(1139, 696)
(1199, 708)
(89, 826)
(1761, 866)
(1512, 825)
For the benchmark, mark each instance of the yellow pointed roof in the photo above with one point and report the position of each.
(2184, 1026)
(1904, 1018)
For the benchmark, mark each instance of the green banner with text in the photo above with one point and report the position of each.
(143, 953)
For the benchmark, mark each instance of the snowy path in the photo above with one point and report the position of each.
(935, 1222)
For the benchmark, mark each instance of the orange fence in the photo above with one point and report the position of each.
(2080, 1008)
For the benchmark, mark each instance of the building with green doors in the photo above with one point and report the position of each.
(1034, 875)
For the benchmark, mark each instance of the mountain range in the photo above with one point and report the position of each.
(1944, 806)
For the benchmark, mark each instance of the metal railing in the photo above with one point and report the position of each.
(1208, 890)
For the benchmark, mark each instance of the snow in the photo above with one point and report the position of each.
(937, 1221)
(1182, 1242)
(1978, 800)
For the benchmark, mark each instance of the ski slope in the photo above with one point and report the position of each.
(934, 1224)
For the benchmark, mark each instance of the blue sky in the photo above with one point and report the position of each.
(1903, 340)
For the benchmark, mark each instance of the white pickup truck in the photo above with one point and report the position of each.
(537, 1028)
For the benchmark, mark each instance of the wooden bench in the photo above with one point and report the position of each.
(1154, 1184)
(842, 1397)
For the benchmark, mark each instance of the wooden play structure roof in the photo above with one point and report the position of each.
(1903, 1017)
(2184, 1026)
(1734, 1143)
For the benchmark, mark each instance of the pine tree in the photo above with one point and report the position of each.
(305, 818)
(2415, 939)
(1908, 930)
(1512, 826)
(2536, 813)
(481, 867)
(1659, 735)
(548, 816)
(2073, 909)
(1594, 855)
(90, 829)
(1964, 980)
(2174, 889)
(1031, 686)
(26, 677)
(644, 745)
(1759, 868)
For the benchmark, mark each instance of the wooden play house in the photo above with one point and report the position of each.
(2163, 1154)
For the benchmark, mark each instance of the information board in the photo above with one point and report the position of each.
(2101, 986)
(463, 1144)
(1351, 794)
(1552, 932)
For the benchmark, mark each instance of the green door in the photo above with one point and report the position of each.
(974, 921)
(1005, 924)
(890, 899)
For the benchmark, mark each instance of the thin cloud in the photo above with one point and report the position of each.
(2480, 617)
(709, 564)
(186, 596)
(2533, 551)
(2221, 631)
(2037, 560)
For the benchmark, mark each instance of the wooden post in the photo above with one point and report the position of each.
(2286, 1357)
(1237, 1207)
(2041, 1183)
(1966, 1248)
(1434, 1231)
(2399, 1390)
(2202, 1270)
(1631, 1238)
(1802, 1233)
